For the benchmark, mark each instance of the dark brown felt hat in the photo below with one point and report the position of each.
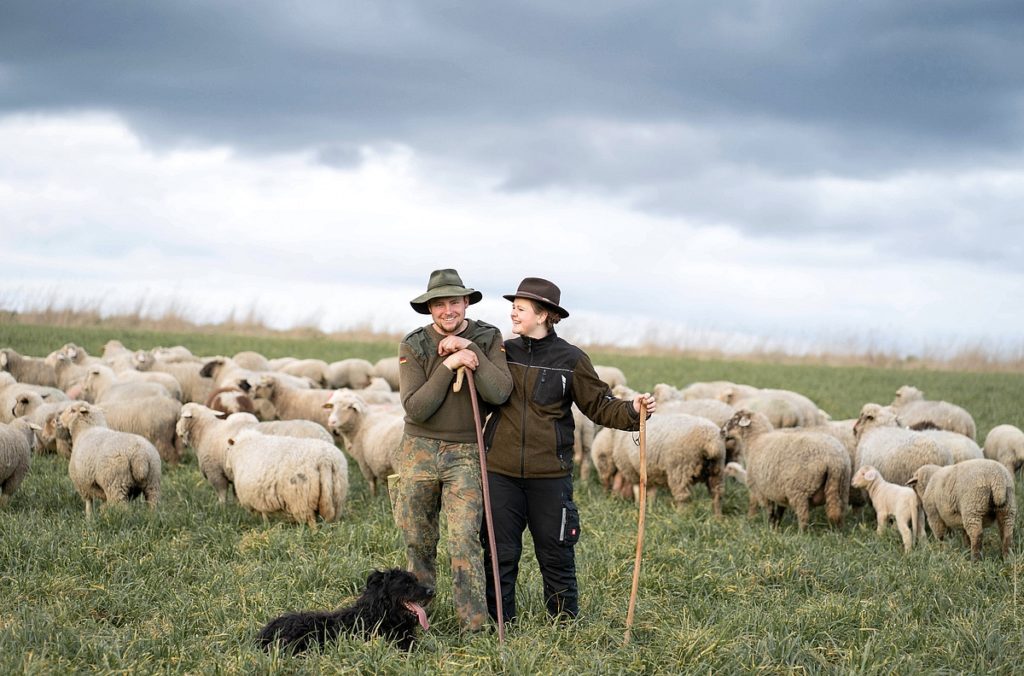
(542, 291)
(443, 284)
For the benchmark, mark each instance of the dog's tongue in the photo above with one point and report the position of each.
(420, 613)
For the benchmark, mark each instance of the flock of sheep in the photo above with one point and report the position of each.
(271, 431)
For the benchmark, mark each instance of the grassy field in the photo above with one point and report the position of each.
(184, 588)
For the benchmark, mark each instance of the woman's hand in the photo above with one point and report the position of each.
(644, 401)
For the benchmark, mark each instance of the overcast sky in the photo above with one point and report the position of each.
(792, 174)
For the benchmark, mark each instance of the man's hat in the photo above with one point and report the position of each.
(540, 290)
(443, 284)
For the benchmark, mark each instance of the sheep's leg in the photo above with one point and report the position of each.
(1005, 521)
(973, 531)
(906, 533)
(882, 518)
(775, 515)
(679, 485)
(88, 507)
(714, 483)
(802, 508)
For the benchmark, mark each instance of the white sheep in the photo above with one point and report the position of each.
(387, 368)
(681, 449)
(353, 373)
(17, 441)
(968, 495)
(912, 408)
(28, 369)
(301, 478)
(702, 390)
(194, 387)
(70, 375)
(960, 447)
(784, 408)
(736, 471)
(714, 410)
(106, 464)
(795, 468)
(895, 451)
(611, 375)
(254, 361)
(372, 437)
(888, 499)
(290, 403)
(207, 432)
(312, 369)
(103, 384)
(226, 373)
(583, 438)
(1005, 443)
(230, 400)
(16, 398)
(151, 417)
(45, 416)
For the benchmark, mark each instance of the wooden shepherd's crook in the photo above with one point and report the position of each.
(640, 523)
(468, 373)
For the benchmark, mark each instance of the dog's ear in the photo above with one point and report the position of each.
(374, 579)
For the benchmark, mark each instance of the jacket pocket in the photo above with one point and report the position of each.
(569, 531)
(551, 386)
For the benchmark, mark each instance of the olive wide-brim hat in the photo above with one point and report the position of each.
(542, 291)
(443, 284)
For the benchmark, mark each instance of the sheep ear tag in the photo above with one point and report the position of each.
(744, 422)
(420, 613)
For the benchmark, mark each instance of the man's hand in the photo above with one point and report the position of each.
(451, 345)
(462, 358)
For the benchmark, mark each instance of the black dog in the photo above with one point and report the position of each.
(390, 606)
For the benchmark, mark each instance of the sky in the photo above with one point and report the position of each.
(800, 176)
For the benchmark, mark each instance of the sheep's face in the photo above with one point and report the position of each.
(143, 360)
(907, 394)
(264, 389)
(345, 413)
(873, 415)
(212, 368)
(4, 359)
(26, 403)
(864, 477)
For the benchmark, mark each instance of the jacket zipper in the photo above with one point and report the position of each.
(522, 426)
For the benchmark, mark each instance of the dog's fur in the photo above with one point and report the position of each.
(390, 606)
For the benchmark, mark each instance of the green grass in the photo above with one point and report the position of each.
(184, 588)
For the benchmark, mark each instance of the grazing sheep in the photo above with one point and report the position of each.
(102, 385)
(312, 369)
(371, 436)
(290, 403)
(888, 499)
(612, 375)
(31, 370)
(912, 408)
(681, 449)
(795, 468)
(194, 387)
(230, 400)
(16, 443)
(387, 368)
(254, 361)
(353, 373)
(1005, 443)
(207, 432)
(968, 495)
(106, 464)
(736, 471)
(895, 451)
(301, 478)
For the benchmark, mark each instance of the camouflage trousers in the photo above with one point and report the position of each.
(438, 476)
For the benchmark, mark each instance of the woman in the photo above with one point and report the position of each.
(530, 445)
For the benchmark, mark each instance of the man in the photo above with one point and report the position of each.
(438, 463)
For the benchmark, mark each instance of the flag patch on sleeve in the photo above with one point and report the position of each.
(402, 360)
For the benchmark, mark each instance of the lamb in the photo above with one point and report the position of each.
(612, 375)
(290, 403)
(895, 451)
(313, 369)
(912, 408)
(353, 373)
(968, 495)
(387, 368)
(106, 464)
(681, 449)
(371, 437)
(302, 478)
(1005, 443)
(28, 369)
(888, 499)
(795, 468)
(16, 443)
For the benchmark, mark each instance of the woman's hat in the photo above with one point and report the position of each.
(540, 290)
(443, 284)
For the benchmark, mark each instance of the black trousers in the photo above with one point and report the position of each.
(544, 506)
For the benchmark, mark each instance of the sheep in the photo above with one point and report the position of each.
(681, 449)
(968, 495)
(714, 410)
(102, 385)
(292, 404)
(226, 373)
(1005, 443)
(230, 400)
(16, 399)
(70, 375)
(387, 368)
(76, 354)
(612, 375)
(302, 478)
(254, 361)
(302, 429)
(912, 408)
(784, 408)
(194, 387)
(895, 451)
(795, 468)
(353, 373)
(313, 369)
(959, 446)
(277, 363)
(45, 416)
(207, 432)
(150, 417)
(106, 464)
(703, 390)
(736, 471)
(582, 440)
(372, 437)
(28, 369)
(889, 499)
(176, 354)
(17, 441)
